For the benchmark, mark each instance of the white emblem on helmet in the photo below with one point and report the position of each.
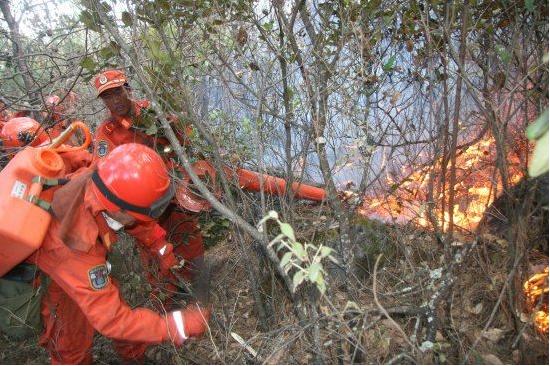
(102, 79)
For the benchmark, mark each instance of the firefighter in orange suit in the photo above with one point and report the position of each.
(56, 114)
(22, 131)
(128, 122)
(130, 185)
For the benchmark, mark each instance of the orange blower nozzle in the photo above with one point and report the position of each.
(250, 181)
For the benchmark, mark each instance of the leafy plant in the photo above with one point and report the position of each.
(538, 132)
(304, 260)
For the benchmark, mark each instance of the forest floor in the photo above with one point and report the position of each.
(351, 329)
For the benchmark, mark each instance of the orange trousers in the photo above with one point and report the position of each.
(73, 344)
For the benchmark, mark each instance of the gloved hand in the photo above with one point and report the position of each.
(166, 258)
(189, 322)
(196, 320)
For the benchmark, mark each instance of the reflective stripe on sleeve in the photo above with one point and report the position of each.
(178, 319)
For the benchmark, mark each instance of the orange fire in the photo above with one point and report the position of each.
(476, 188)
(478, 184)
(536, 292)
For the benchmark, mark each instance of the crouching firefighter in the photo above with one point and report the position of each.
(128, 186)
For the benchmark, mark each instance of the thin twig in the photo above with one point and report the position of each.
(383, 310)
(495, 308)
(400, 357)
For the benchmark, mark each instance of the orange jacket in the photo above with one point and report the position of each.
(75, 160)
(80, 268)
(116, 131)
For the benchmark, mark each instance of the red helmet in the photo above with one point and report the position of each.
(133, 177)
(21, 131)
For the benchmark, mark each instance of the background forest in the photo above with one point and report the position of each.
(410, 114)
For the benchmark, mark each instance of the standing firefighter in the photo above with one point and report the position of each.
(128, 122)
(130, 185)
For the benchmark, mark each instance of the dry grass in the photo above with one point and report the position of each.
(348, 331)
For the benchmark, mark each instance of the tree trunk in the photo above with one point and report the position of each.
(454, 136)
(18, 53)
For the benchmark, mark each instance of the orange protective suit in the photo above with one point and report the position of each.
(181, 227)
(117, 131)
(75, 160)
(83, 298)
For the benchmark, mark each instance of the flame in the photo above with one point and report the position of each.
(534, 289)
(477, 186)
(476, 189)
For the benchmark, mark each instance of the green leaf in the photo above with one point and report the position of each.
(314, 271)
(152, 130)
(106, 7)
(88, 63)
(90, 21)
(388, 19)
(288, 231)
(539, 161)
(247, 127)
(325, 251)
(321, 286)
(298, 279)
(539, 127)
(106, 52)
(286, 259)
(530, 5)
(86, 18)
(388, 66)
(277, 239)
(503, 54)
(154, 44)
(299, 250)
(163, 4)
(268, 26)
(351, 305)
(127, 19)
